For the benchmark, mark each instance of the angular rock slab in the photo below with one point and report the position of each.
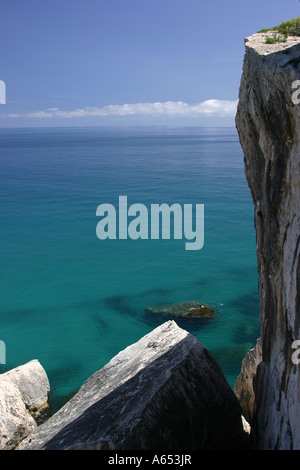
(15, 421)
(190, 309)
(32, 382)
(163, 392)
(23, 391)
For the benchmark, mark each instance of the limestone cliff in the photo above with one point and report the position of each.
(268, 124)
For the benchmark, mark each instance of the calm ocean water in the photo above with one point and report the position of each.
(73, 301)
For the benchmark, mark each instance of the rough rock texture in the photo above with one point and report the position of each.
(268, 123)
(23, 392)
(163, 392)
(243, 387)
(15, 421)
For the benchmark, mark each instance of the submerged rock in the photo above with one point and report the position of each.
(164, 392)
(191, 309)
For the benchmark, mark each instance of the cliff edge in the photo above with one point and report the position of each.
(268, 123)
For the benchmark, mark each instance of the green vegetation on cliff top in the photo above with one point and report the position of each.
(281, 32)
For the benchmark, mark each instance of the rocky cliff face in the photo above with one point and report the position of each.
(268, 124)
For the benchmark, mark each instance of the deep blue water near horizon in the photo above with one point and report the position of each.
(73, 301)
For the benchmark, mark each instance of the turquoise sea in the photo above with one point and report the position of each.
(74, 301)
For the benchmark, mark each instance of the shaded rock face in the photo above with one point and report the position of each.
(163, 392)
(190, 309)
(23, 402)
(268, 124)
(243, 387)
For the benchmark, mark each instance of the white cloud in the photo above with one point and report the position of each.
(168, 108)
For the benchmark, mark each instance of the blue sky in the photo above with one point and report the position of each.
(127, 62)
